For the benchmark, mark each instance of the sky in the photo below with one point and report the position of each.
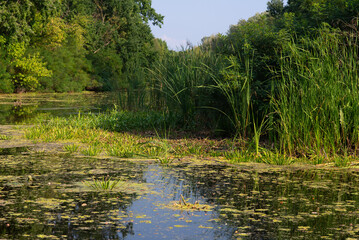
(191, 20)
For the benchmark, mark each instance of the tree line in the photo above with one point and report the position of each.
(73, 45)
(288, 76)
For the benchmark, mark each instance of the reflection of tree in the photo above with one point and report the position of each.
(20, 112)
(274, 200)
(43, 204)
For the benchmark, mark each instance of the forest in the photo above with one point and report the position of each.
(285, 79)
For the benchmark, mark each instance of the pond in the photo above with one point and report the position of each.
(18, 107)
(47, 195)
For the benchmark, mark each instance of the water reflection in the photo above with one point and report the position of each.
(42, 196)
(16, 108)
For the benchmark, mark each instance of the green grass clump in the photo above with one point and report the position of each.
(156, 148)
(104, 184)
(342, 161)
(71, 148)
(5, 137)
(92, 151)
(237, 156)
(274, 158)
(118, 151)
(165, 161)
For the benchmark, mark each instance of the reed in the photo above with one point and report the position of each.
(235, 84)
(318, 94)
(180, 83)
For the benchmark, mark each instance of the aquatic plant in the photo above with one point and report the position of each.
(275, 158)
(239, 155)
(104, 184)
(5, 137)
(122, 152)
(180, 83)
(91, 151)
(156, 148)
(71, 148)
(235, 84)
(165, 161)
(342, 161)
(317, 95)
(182, 204)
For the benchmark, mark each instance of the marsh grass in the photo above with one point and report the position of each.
(104, 184)
(237, 156)
(71, 148)
(121, 152)
(96, 141)
(275, 158)
(165, 161)
(342, 161)
(316, 160)
(180, 83)
(193, 148)
(317, 95)
(235, 84)
(5, 137)
(91, 151)
(155, 148)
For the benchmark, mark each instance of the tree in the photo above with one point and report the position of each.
(275, 8)
(25, 69)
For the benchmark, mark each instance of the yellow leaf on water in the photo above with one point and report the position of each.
(180, 226)
(200, 226)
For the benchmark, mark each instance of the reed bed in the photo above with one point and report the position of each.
(317, 99)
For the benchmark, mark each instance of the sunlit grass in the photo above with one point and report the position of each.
(104, 184)
(5, 137)
(317, 94)
(71, 148)
(97, 141)
(91, 151)
(165, 161)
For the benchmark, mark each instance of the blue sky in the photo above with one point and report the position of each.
(191, 20)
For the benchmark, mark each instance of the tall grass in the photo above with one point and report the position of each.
(317, 99)
(235, 84)
(180, 82)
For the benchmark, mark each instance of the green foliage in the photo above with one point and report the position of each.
(71, 148)
(235, 84)
(5, 137)
(104, 184)
(70, 70)
(275, 7)
(317, 98)
(25, 69)
(6, 85)
(181, 83)
(86, 44)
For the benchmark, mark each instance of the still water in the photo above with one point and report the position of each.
(46, 196)
(16, 108)
(49, 196)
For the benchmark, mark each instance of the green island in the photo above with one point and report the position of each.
(106, 133)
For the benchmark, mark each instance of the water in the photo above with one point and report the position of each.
(48, 196)
(45, 196)
(16, 108)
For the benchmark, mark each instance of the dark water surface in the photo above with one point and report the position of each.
(46, 196)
